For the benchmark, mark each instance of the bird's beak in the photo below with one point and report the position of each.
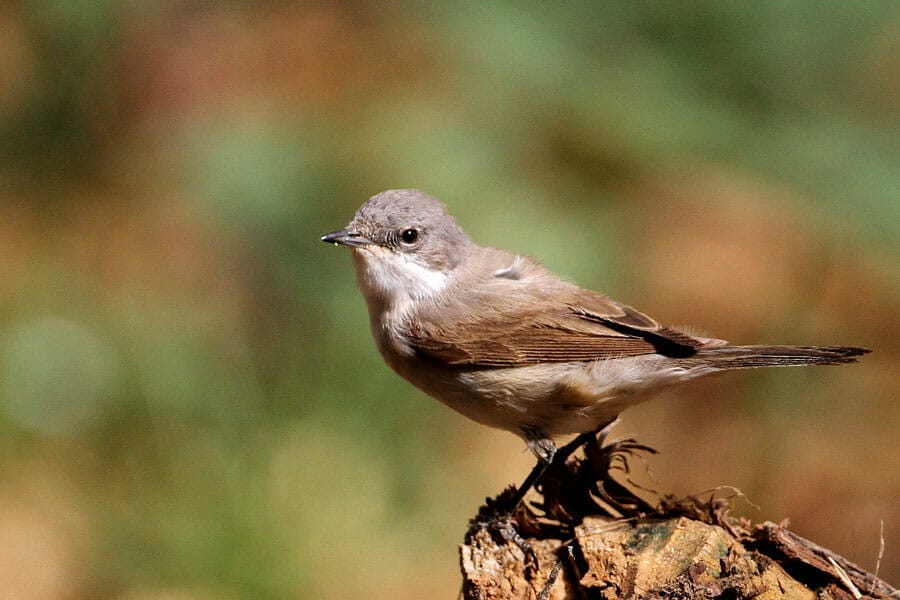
(347, 237)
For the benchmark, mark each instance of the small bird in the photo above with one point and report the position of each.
(502, 340)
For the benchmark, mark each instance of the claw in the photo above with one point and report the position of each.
(507, 531)
(499, 519)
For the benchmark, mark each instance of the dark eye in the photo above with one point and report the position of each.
(409, 236)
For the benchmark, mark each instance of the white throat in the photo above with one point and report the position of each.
(396, 279)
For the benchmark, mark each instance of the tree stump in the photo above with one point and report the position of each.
(593, 536)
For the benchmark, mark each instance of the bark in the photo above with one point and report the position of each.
(594, 537)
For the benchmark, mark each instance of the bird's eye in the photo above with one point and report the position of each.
(409, 236)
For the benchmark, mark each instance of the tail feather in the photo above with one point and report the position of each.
(748, 357)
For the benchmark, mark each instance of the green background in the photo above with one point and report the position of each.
(191, 406)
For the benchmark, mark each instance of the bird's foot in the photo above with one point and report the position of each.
(503, 517)
(586, 486)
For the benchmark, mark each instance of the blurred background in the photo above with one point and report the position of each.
(191, 406)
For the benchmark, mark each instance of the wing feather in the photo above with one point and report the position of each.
(519, 329)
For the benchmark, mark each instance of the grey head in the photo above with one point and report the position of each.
(405, 244)
(407, 222)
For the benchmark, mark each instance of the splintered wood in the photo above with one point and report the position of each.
(602, 540)
(662, 558)
(652, 558)
(493, 571)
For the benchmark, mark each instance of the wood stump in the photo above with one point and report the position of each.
(594, 537)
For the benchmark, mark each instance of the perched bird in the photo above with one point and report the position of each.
(502, 340)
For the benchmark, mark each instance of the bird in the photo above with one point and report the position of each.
(501, 339)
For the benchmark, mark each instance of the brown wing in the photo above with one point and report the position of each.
(529, 323)
(628, 321)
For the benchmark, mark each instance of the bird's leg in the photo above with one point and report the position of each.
(536, 473)
(498, 514)
(547, 454)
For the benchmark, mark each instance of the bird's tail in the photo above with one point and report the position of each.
(749, 357)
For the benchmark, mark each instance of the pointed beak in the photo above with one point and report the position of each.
(347, 237)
